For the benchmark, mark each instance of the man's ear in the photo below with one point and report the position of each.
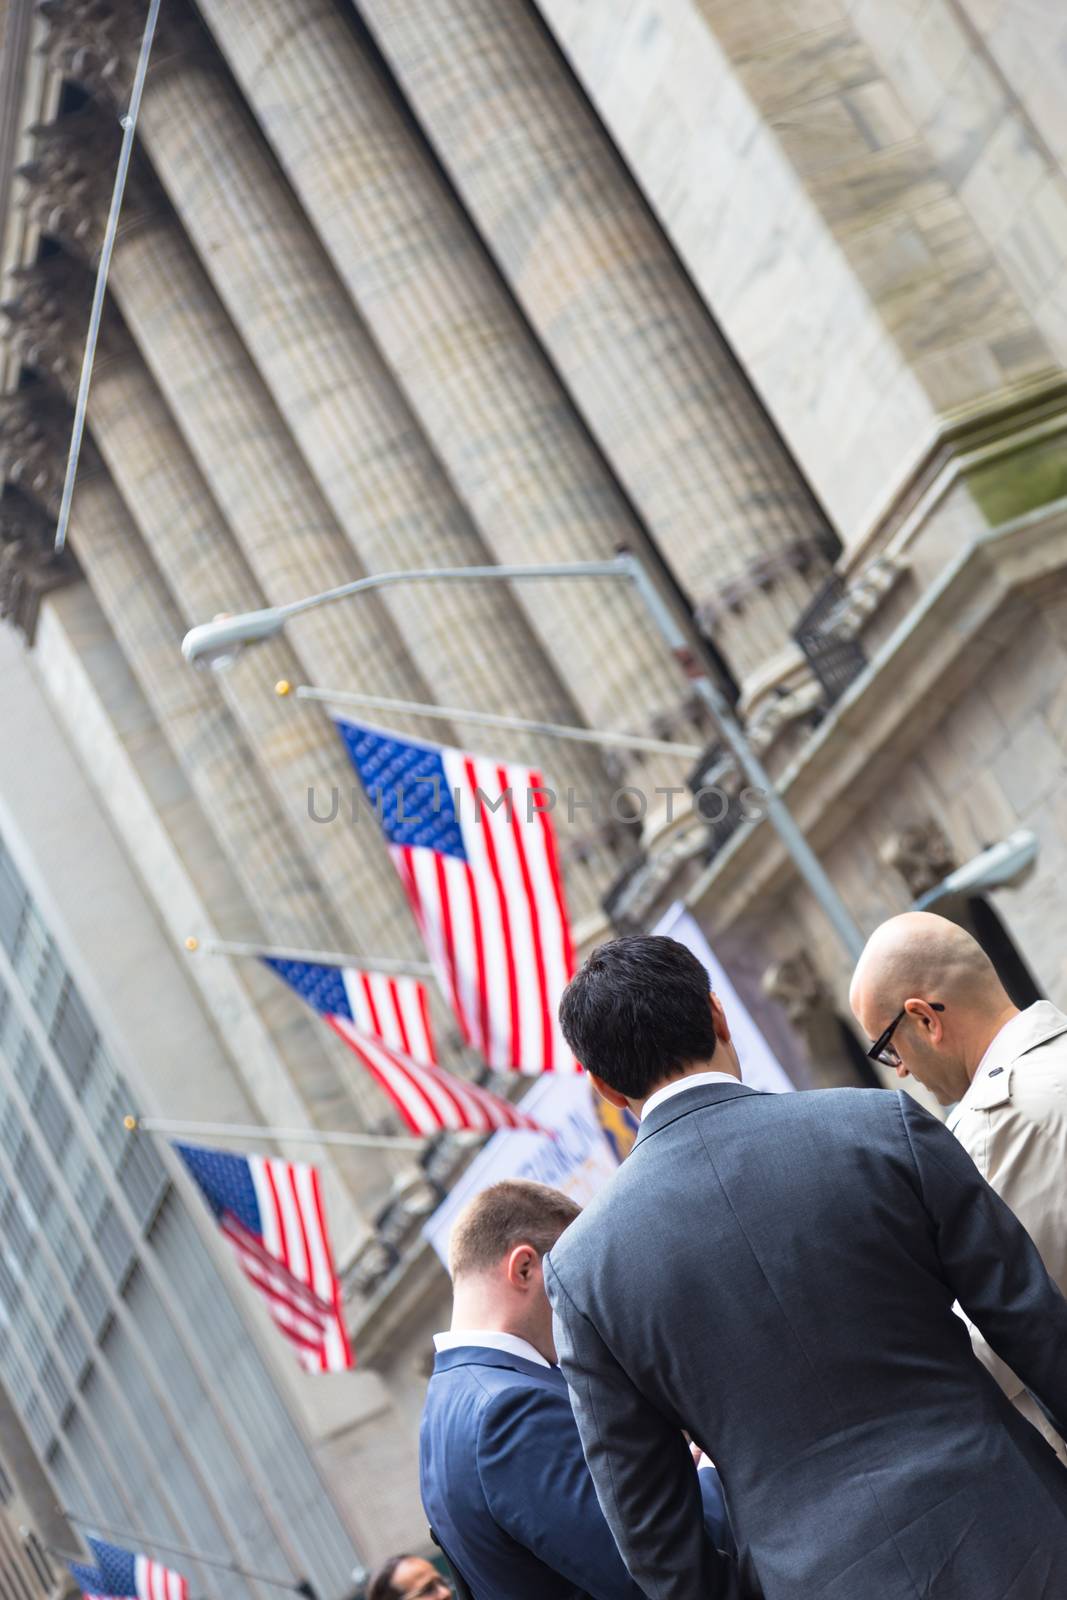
(718, 1017)
(606, 1092)
(522, 1266)
(929, 1019)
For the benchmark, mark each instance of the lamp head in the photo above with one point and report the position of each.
(218, 643)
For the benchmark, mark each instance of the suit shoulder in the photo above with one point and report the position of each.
(864, 1113)
(510, 1413)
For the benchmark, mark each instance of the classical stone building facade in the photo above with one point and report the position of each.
(772, 292)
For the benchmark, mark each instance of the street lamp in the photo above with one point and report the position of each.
(216, 643)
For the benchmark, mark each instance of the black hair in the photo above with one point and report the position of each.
(381, 1586)
(637, 1012)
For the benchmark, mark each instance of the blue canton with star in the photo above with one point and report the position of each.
(406, 785)
(114, 1574)
(90, 1580)
(226, 1183)
(322, 987)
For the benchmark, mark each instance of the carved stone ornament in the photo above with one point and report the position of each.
(47, 318)
(34, 436)
(760, 575)
(48, 321)
(29, 566)
(921, 854)
(97, 42)
(797, 987)
(66, 188)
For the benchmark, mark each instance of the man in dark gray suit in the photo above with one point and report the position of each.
(776, 1274)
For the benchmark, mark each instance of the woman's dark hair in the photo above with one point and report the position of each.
(637, 1012)
(381, 1586)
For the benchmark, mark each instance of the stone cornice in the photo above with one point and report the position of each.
(97, 42)
(67, 186)
(29, 566)
(991, 429)
(29, 93)
(47, 317)
(964, 621)
(35, 425)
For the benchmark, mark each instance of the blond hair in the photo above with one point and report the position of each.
(503, 1216)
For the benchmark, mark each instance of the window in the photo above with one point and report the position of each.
(11, 1131)
(115, 1244)
(12, 902)
(31, 948)
(90, 1295)
(141, 1176)
(71, 1343)
(33, 1178)
(91, 1196)
(38, 1425)
(42, 1568)
(28, 1064)
(52, 1117)
(49, 987)
(73, 1036)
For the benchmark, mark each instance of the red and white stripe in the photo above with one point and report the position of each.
(395, 1010)
(156, 1582)
(430, 1099)
(293, 1266)
(496, 925)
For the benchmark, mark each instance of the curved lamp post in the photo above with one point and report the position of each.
(218, 642)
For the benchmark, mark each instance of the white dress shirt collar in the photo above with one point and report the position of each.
(510, 1343)
(692, 1081)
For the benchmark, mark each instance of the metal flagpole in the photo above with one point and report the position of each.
(215, 643)
(129, 129)
(388, 965)
(250, 1130)
(665, 619)
(141, 1539)
(491, 719)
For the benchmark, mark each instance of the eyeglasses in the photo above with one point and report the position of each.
(883, 1049)
(434, 1588)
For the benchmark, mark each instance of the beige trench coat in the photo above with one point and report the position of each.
(1013, 1123)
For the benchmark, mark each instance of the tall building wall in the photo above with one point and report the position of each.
(118, 1323)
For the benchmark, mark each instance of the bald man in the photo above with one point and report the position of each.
(930, 997)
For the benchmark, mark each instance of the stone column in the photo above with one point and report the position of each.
(500, 422)
(297, 748)
(284, 528)
(624, 326)
(257, 840)
(353, 426)
(472, 644)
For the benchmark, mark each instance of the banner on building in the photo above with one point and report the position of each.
(578, 1160)
(760, 1067)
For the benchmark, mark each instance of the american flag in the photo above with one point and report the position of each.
(271, 1212)
(473, 842)
(386, 1022)
(395, 1010)
(121, 1573)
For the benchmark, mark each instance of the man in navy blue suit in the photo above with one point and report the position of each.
(503, 1477)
